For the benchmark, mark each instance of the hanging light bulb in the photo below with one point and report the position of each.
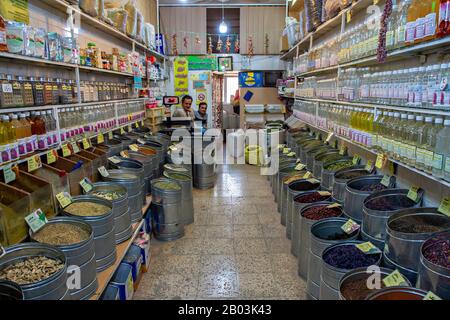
(223, 28)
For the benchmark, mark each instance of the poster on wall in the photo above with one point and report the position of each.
(181, 81)
(15, 10)
(250, 79)
(202, 63)
(200, 96)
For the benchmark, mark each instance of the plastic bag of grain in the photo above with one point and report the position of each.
(140, 30)
(332, 8)
(119, 18)
(150, 36)
(313, 9)
(90, 7)
(132, 18)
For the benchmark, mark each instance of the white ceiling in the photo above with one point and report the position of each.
(225, 2)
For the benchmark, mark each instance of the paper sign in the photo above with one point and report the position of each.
(65, 150)
(394, 279)
(349, 16)
(8, 174)
(314, 181)
(369, 166)
(300, 167)
(122, 130)
(445, 206)
(140, 141)
(100, 138)
(286, 150)
(110, 135)
(52, 156)
(130, 128)
(356, 159)
(350, 226)
(330, 135)
(334, 205)
(134, 147)
(64, 199)
(136, 125)
(103, 171)
(34, 163)
(142, 123)
(381, 160)
(368, 248)
(342, 150)
(307, 175)
(324, 193)
(412, 193)
(86, 184)
(431, 296)
(114, 159)
(386, 180)
(86, 144)
(291, 154)
(36, 220)
(75, 147)
(124, 154)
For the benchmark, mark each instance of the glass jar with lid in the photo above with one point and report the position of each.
(17, 91)
(48, 91)
(66, 92)
(57, 84)
(74, 91)
(28, 99)
(38, 91)
(6, 92)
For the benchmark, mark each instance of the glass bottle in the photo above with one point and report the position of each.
(431, 143)
(422, 136)
(28, 99)
(29, 145)
(441, 159)
(48, 91)
(12, 138)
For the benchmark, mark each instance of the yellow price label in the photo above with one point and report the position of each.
(350, 226)
(291, 154)
(124, 154)
(334, 205)
(281, 146)
(75, 147)
(134, 147)
(356, 159)
(122, 130)
(375, 2)
(386, 180)
(172, 148)
(300, 167)
(413, 193)
(114, 159)
(324, 193)
(381, 160)
(369, 166)
(330, 135)
(307, 175)
(368, 248)
(394, 279)
(65, 150)
(86, 184)
(34, 163)
(313, 181)
(86, 144)
(444, 207)
(52, 156)
(100, 138)
(136, 125)
(349, 16)
(110, 135)
(286, 150)
(64, 199)
(130, 128)
(431, 296)
(142, 123)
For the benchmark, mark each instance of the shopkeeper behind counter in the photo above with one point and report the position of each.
(186, 110)
(201, 115)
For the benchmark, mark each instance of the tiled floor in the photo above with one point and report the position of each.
(236, 248)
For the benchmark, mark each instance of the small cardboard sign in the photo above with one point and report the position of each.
(103, 171)
(64, 199)
(36, 220)
(86, 184)
(368, 248)
(100, 138)
(413, 193)
(394, 279)
(34, 163)
(444, 207)
(8, 174)
(52, 156)
(350, 226)
(86, 144)
(386, 180)
(65, 150)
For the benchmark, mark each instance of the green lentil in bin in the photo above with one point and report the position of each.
(134, 259)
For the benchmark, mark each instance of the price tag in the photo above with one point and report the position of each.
(391, 168)
(386, 180)
(394, 279)
(64, 199)
(412, 193)
(445, 206)
(314, 181)
(281, 146)
(140, 141)
(8, 174)
(52, 156)
(34, 163)
(110, 135)
(136, 125)
(122, 130)
(86, 144)
(431, 296)
(356, 159)
(75, 147)
(307, 175)
(286, 150)
(115, 160)
(100, 138)
(369, 166)
(381, 160)
(65, 150)
(130, 128)
(134, 147)
(334, 205)
(142, 123)
(330, 135)
(324, 193)
(349, 16)
(86, 184)
(343, 150)
(350, 226)
(300, 167)
(368, 248)
(298, 161)
(124, 154)
(103, 171)
(36, 220)
(291, 154)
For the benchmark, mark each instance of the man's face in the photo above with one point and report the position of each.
(202, 109)
(187, 103)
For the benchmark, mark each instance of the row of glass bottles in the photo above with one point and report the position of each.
(419, 141)
(130, 112)
(103, 91)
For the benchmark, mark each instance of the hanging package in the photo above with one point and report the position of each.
(130, 7)
(90, 7)
(119, 18)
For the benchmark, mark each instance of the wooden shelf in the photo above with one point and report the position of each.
(18, 58)
(105, 276)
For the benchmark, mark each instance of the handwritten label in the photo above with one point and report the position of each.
(103, 171)
(8, 174)
(394, 279)
(386, 180)
(334, 205)
(445, 206)
(324, 193)
(86, 184)
(412, 193)
(431, 296)
(368, 248)
(110, 135)
(369, 166)
(65, 150)
(356, 159)
(350, 226)
(75, 147)
(381, 160)
(36, 220)
(52, 156)
(343, 150)
(100, 138)
(134, 147)
(330, 135)
(86, 144)
(34, 163)
(64, 199)
(291, 154)
(114, 159)
(300, 167)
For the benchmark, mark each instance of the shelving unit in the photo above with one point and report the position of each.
(105, 276)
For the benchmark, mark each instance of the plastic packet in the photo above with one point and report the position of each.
(14, 37)
(29, 40)
(68, 45)
(54, 47)
(40, 41)
(130, 7)
(150, 36)
(119, 18)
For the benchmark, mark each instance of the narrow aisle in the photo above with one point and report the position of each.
(236, 248)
